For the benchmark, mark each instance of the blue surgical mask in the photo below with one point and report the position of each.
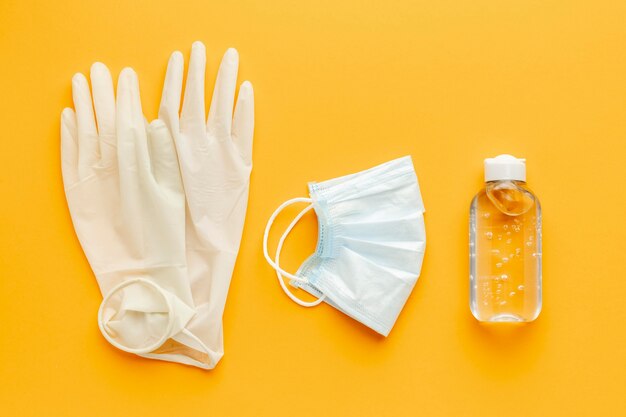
(370, 244)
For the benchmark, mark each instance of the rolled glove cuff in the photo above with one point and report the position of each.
(138, 315)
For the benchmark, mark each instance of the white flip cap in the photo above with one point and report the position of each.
(505, 167)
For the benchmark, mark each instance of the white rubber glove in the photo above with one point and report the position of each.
(125, 195)
(215, 159)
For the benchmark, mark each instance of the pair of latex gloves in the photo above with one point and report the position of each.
(159, 208)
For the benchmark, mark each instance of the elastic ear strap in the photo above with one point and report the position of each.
(267, 233)
(280, 277)
(279, 271)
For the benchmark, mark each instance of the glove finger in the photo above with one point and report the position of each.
(163, 157)
(104, 103)
(243, 121)
(192, 120)
(88, 148)
(221, 111)
(132, 151)
(69, 148)
(172, 89)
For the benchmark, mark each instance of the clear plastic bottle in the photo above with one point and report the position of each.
(505, 245)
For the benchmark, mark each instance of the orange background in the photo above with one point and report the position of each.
(340, 87)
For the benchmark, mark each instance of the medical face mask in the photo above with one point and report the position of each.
(370, 244)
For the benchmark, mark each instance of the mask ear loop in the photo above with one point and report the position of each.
(279, 271)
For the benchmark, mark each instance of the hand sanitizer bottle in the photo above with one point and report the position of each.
(505, 245)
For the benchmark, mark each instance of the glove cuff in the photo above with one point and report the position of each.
(138, 316)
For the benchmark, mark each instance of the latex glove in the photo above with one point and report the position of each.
(215, 158)
(126, 200)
